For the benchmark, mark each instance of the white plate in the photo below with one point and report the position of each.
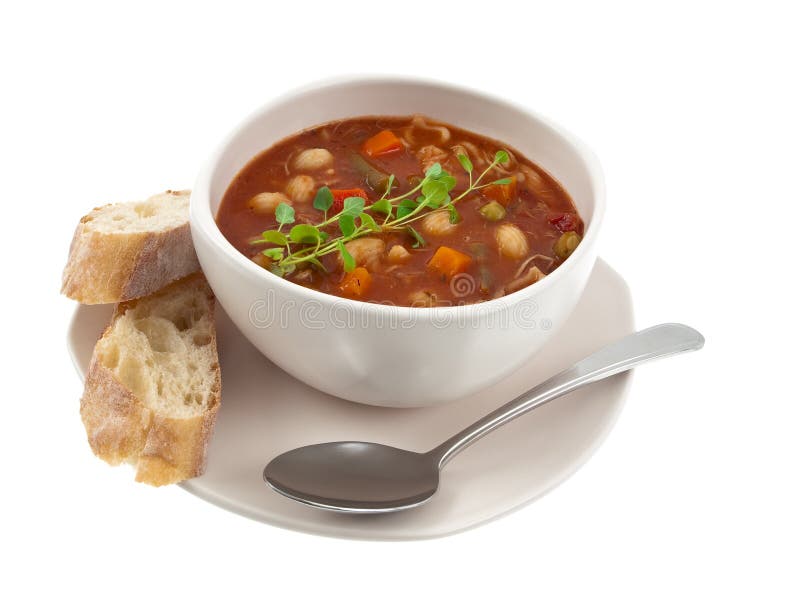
(265, 412)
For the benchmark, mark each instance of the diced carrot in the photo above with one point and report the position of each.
(356, 283)
(504, 193)
(382, 143)
(340, 195)
(449, 262)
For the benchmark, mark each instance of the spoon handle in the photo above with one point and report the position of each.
(635, 349)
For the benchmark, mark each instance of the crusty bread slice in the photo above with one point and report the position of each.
(129, 250)
(153, 386)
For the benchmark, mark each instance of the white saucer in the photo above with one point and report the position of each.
(265, 412)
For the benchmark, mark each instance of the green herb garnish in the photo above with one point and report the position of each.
(284, 215)
(307, 243)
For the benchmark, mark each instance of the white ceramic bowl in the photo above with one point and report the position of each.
(390, 355)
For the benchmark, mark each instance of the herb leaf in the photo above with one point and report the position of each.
(455, 217)
(434, 170)
(389, 185)
(347, 259)
(353, 206)
(284, 214)
(272, 237)
(419, 241)
(273, 253)
(324, 199)
(405, 207)
(347, 224)
(465, 162)
(281, 270)
(501, 156)
(369, 221)
(305, 234)
(435, 192)
(503, 181)
(382, 206)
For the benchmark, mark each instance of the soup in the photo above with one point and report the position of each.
(400, 210)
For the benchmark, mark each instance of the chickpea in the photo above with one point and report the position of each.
(511, 242)
(301, 188)
(313, 159)
(267, 202)
(566, 244)
(438, 223)
(398, 254)
(366, 252)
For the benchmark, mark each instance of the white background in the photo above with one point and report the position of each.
(693, 111)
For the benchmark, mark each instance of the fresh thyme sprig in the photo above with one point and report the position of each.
(305, 243)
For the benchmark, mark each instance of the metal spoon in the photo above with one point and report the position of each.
(363, 477)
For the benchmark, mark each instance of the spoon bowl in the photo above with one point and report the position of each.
(354, 476)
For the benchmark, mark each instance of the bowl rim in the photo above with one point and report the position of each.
(202, 218)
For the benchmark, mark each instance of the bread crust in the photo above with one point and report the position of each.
(121, 428)
(105, 268)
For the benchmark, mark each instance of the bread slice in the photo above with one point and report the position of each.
(129, 250)
(153, 387)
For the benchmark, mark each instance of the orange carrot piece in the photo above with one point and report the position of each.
(504, 193)
(356, 283)
(382, 143)
(449, 262)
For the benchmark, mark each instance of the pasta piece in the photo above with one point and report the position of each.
(438, 223)
(511, 242)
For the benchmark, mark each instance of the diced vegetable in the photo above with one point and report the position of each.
(356, 283)
(449, 262)
(494, 211)
(375, 179)
(504, 193)
(564, 222)
(566, 244)
(382, 143)
(340, 195)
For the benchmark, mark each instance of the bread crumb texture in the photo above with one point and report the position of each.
(159, 213)
(152, 391)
